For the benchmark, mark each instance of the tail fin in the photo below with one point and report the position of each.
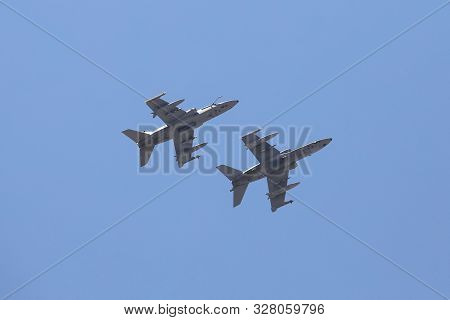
(230, 173)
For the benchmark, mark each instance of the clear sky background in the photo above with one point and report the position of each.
(67, 172)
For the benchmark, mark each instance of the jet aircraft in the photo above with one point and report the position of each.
(273, 164)
(179, 126)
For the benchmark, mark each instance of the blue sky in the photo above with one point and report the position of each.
(67, 172)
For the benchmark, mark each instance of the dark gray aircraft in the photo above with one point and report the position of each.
(179, 126)
(273, 164)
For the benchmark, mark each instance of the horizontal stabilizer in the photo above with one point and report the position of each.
(144, 155)
(145, 150)
(238, 194)
(136, 136)
(133, 135)
(229, 172)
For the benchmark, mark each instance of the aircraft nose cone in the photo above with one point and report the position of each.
(227, 105)
(232, 103)
(325, 142)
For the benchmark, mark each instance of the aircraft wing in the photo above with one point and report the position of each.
(183, 141)
(275, 184)
(262, 151)
(168, 112)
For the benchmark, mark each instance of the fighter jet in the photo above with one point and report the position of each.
(179, 126)
(273, 164)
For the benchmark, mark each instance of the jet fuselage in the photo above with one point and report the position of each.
(193, 119)
(279, 163)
